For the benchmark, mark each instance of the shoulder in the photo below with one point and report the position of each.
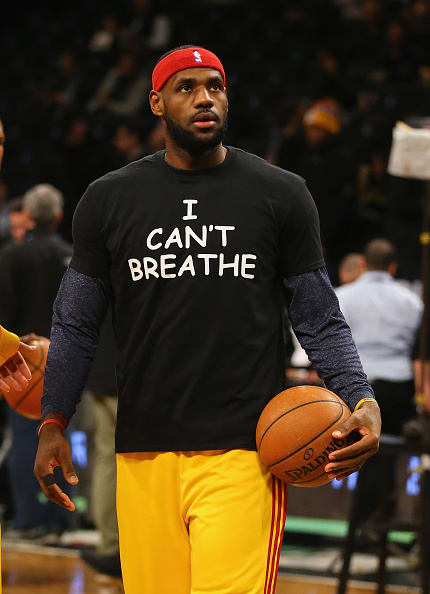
(346, 292)
(125, 176)
(286, 192)
(408, 295)
(11, 250)
(63, 246)
(273, 175)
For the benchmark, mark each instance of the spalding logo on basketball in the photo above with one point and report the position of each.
(294, 434)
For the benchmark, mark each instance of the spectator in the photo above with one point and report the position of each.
(20, 222)
(369, 55)
(317, 154)
(351, 267)
(122, 90)
(77, 160)
(63, 89)
(30, 278)
(384, 318)
(148, 28)
(106, 38)
(102, 386)
(128, 142)
(156, 140)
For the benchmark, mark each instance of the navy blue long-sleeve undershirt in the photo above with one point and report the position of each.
(313, 310)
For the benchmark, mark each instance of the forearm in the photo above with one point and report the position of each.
(322, 331)
(79, 310)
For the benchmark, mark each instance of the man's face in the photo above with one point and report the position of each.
(194, 108)
(316, 136)
(2, 141)
(19, 225)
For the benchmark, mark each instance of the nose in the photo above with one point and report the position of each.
(202, 98)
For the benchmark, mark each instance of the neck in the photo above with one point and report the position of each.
(182, 159)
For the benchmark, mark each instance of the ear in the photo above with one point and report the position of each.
(28, 220)
(392, 268)
(58, 219)
(156, 103)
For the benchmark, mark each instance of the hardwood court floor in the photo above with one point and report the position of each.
(35, 573)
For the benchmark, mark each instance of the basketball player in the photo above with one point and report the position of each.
(195, 246)
(14, 372)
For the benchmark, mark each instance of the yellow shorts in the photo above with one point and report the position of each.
(199, 522)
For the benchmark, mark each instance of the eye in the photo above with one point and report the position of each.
(184, 88)
(217, 86)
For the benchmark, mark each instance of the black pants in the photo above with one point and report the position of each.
(396, 401)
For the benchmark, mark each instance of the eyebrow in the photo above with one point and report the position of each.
(190, 80)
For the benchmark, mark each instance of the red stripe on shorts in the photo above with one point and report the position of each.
(278, 554)
(275, 540)
(269, 550)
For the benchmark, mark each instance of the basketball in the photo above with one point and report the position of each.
(294, 434)
(27, 402)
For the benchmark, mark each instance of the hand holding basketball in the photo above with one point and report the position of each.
(306, 436)
(15, 374)
(366, 421)
(24, 394)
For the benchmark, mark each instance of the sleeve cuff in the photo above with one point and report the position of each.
(9, 345)
(362, 401)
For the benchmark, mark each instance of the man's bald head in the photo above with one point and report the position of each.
(351, 267)
(380, 254)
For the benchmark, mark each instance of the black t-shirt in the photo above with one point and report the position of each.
(196, 261)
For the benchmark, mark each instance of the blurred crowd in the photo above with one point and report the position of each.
(314, 87)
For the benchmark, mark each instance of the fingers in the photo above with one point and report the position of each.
(350, 459)
(8, 376)
(28, 337)
(27, 347)
(340, 477)
(69, 473)
(346, 427)
(335, 469)
(54, 451)
(15, 365)
(53, 492)
(4, 387)
(368, 443)
(22, 366)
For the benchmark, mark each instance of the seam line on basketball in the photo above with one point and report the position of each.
(27, 393)
(314, 478)
(313, 438)
(291, 410)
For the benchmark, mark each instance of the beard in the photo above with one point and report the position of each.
(190, 142)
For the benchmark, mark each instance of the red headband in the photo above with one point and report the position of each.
(191, 57)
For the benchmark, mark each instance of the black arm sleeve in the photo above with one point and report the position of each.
(322, 331)
(79, 311)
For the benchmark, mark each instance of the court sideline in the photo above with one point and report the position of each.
(62, 572)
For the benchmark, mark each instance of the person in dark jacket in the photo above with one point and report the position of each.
(31, 274)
